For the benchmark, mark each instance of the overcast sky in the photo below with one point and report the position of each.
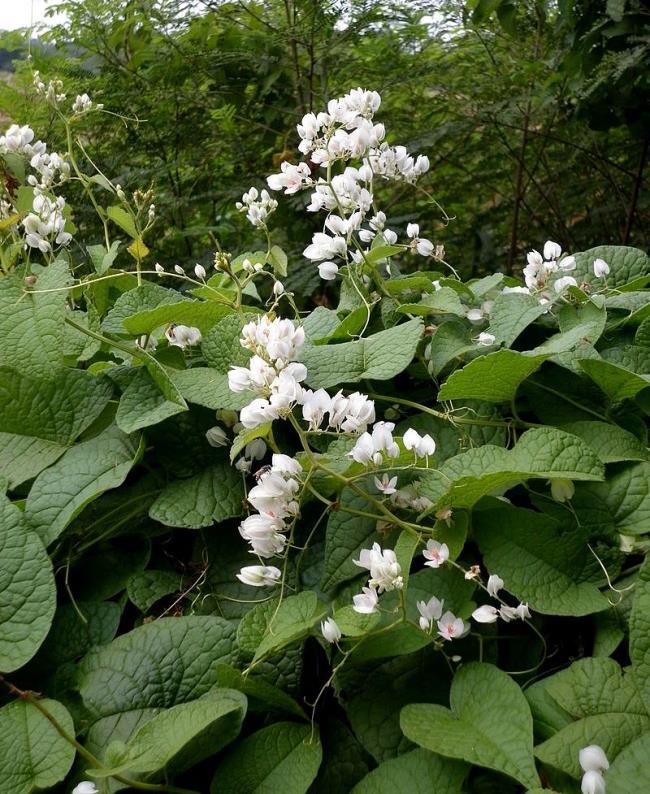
(21, 13)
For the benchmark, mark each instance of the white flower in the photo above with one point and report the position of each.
(411, 439)
(85, 787)
(494, 584)
(385, 571)
(365, 602)
(562, 490)
(179, 270)
(593, 783)
(292, 178)
(284, 464)
(593, 758)
(257, 413)
(601, 268)
(351, 414)
(325, 247)
(563, 283)
(427, 446)
(258, 206)
(328, 270)
(436, 554)
(255, 449)
(567, 263)
(552, 251)
(474, 315)
(421, 445)
(363, 451)
(385, 485)
(485, 614)
(314, 407)
(159, 268)
(520, 612)
(484, 339)
(259, 575)
(450, 627)
(430, 611)
(199, 272)
(382, 439)
(330, 631)
(216, 437)
(278, 288)
(183, 336)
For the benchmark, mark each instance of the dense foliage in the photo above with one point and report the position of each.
(392, 542)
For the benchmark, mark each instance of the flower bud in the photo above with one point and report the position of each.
(330, 631)
(593, 758)
(593, 783)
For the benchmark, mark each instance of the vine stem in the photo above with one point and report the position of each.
(33, 699)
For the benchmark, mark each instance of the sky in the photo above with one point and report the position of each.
(20, 13)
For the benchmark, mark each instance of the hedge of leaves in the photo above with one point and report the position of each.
(446, 486)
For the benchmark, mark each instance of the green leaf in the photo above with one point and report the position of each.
(629, 771)
(291, 621)
(381, 252)
(123, 219)
(378, 695)
(378, 357)
(581, 325)
(200, 314)
(143, 404)
(182, 736)
(608, 709)
(278, 259)
(450, 341)
(33, 755)
(140, 300)
(147, 587)
(345, 762)
(489, 723)
(31, 440)
(353, 624)
(493, 378)
(85, 471)
(541, 562)
(258, 689)
(610, 442)
(32, 323)
(213, 495)
(626, 264)
(209, 388)
(511, 314)
(221, 346)
(244, 437)
(639, 633)
(417, 772)
(27, 589)
(544, 453)
(129, 673)
(617, 382)
(620, 504)
(70, 636)
(443, 301)
(405, 548)
(101, 258)
(345, 536)
(281, 757)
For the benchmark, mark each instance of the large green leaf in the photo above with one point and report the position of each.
(417, 772)
(378, 357)
(626, 264)
(144, 298)
(147, 587)
(640, 633)
(27, 589)
(31, 440)
(221, 346)
(630, 770)
(451, 340)
(208, 387)
(607, 708)
(620, 504)
(182, 736)
(199, 314)
(610, 442)
(345, 762)
(33, 754)
(493, 378)
(261, 694)
(544, 453)
(143, 404)
(211, 496)
(512, 313)
(281, 757)
(617, 382)
(489, 723)
(85, 471)
(290, 622)
(159, 664)
(32, 323)
(541, 562)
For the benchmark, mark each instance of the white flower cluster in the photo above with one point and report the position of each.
(258, 206)
(44, 222)
(346, 131)
(272, 372)
(489, 614)
(540, 268)
(385, 574)
(593, 762)
(274, 499)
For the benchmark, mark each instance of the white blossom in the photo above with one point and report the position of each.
(85, 787)
(430, 611)
(494, 584)
(386, 485)
(330, 630)
(593, 758)
(562, 490)
(216, 437)
(563, 283)
(365, 602)
(450, 627)
(601, 268)
(324, 246)
(485, 614)
(291, 178)
(183, 336)
(258, 206)
(328, 270)
(82, 103)
(259, 575)
(485, 339)
(385, 571)
(314, 407)
(199, 271)
(593, 783)
(435, 553)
